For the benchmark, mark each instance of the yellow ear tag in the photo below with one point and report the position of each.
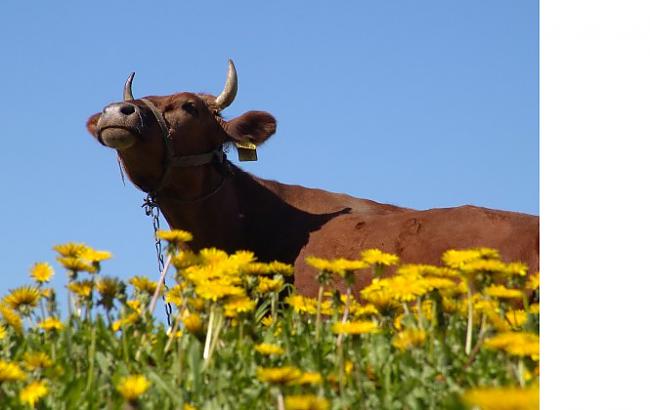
(247, 151)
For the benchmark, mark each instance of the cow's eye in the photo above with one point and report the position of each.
(190, 108)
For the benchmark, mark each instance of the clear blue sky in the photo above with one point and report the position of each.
(421, 104)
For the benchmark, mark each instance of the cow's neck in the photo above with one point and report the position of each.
(244, 214)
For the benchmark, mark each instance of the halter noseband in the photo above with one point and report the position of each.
(172, 161)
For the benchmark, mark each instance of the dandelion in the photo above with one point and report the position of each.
(377, 257)
(95, 256)
(280, 268)
(82, 288)
(366, 310)
(3, 332)
(405, 289)
(175, 295)
(427, 270)
(309, 378)
(302, 304)
(135, 305)
(306, 402)
(10, 372)
(24, 297)
(268, 349)
(267, 285)
(50, 324)
(133, 386)
(76, 265)
(143, 284)
(193, 323)
(211, 256)
(238, 305)
(215, 290)
(409, 338)
(501, 292)
(36, 360)
(278, 375)
(42, 272)
(174, 236)
(515, 343)
(459, 258)
(318, 263)
(533, 282)
(11, 317)
(508, 398)
(267, 321)
(516, 317)
(355, 328)
(71, 249)
(32, 393)
(185, 259)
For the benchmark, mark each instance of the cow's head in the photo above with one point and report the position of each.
(193, 123)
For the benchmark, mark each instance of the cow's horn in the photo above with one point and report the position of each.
(229, 92)
(128, 94)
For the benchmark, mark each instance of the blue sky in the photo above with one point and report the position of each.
(420, 104)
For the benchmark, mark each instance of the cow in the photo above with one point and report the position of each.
(173, 148)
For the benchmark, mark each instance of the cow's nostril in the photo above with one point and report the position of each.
(127, 109)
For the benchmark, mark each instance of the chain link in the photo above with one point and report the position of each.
(152, 209)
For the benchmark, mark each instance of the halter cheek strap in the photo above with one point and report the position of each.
(172, 161)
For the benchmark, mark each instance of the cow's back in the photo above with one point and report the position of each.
(420, 237)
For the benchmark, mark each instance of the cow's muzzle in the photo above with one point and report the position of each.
(120, 125)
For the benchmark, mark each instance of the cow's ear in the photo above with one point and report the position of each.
(91, 124)
(253, 126)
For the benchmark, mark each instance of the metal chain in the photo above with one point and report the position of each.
(151, 209)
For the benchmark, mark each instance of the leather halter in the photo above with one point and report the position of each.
(218, 157)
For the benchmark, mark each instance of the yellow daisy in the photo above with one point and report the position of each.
(23, 297)
(11, 317)
(42, 272)
(71, 249)
(377, 257)
(267, 285)
(143, 284)
(51, 323)
(36, 360)
(133, 386)
(238, 305)
(355, 328)
(409, 338)
(10, 372)
(82, 288)
(32, 393)
(278, 375)
(269, 349)
(306, 402)
(175, 236)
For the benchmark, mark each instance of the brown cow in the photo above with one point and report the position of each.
(173, 148)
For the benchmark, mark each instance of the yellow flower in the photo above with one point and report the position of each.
(175, 236)
(318, 263)
(185, 259)
(108, 287)
(278, 375)
(267, 321)
(533, 282)
(193, 323)
(267, 285)
(82, 288)
(211, 256)
(175, 295)
(215, 290)
(405, 289)
(36, 360)
(306, 402)
(143, 284)
(269, 349)
(344, 266)
(409, 338)
(51, 323)
(237, 305)
(377, 257)
(355, 328)
(32, 393)
(71, 249)
(366, 310)
(506, 398)
(3, 332)
(280, 268)
(515, 343)
(311, 378)
(426, 270)
(10, 372)
(302, 304)
(534, 308)
(11, 318)
(42, 272)
(135, 305)
(257, 268)
(380, 296)
(459, 258)
(76, 265)
(516, 318)
(188, 407)
(133, 386)
(94, 256)
(23, 297)
(500, 291)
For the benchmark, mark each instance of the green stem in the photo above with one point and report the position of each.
(346, 311)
